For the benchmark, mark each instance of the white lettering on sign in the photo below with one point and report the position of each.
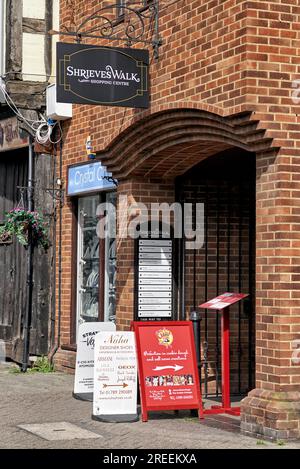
(109, 73)
(90, 175)
(155, 277)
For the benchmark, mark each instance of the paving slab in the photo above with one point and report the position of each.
(55, 431)
(39, 399)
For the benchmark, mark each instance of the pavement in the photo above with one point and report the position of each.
(29, 401)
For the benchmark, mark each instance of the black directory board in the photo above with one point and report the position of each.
(154, 279)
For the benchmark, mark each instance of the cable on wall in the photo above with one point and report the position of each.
(42, 128)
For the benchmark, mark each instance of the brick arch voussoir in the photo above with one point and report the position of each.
(154, 149)
(154, 124)
(128, 145)
(143, 143)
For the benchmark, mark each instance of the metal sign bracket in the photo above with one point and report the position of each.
(131, 22)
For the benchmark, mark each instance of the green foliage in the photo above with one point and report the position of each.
(42, 365)
(261, 443)
(280, 443)
(14, 369)
(19, 222)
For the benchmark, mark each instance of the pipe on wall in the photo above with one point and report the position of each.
(2, 45)
(2, 34)
(57, 344)
(29, 280)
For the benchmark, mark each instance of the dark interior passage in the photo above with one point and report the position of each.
(225, 184)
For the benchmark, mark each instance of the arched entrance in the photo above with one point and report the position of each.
(225, 184)
(196, 156)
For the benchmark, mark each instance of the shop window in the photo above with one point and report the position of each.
(96, 264)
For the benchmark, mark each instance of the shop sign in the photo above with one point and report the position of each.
(155, 278)
(102, 75)
(84, 369)
(115, 377)
(168, 372)
(223, 301)
(11, 136)
(88, 178)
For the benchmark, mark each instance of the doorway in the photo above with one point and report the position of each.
(225, 184)
(13, 177)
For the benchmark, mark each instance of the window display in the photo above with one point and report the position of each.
(88, 261)
(96, 264)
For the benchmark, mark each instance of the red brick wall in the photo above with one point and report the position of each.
(146, 192)
(227, 57)
(223, 56)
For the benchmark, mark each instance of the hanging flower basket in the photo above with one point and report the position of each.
(20, 222)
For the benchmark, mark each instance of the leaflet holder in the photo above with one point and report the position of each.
(222, 303)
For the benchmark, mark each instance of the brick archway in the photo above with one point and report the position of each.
(147, 157)
(168, 143)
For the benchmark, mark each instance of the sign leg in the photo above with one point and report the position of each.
(200, 412)
(144, 415)
(225, 359)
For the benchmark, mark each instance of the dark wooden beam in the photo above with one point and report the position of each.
(48, 38)
(14, 39)
(27, 94)
(34, 26)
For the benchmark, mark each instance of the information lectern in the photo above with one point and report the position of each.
(222, 303)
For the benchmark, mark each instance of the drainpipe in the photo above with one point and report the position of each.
(2, 44)
(54, 245)
(57, 345)
(29, 281)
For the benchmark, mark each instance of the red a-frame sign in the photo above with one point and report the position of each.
(167, 365)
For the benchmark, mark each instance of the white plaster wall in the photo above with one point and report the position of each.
(34, 9)
(3, 36)
(33, 44)
(33, 57)
(54, 39)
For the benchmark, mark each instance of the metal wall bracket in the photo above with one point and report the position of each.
(131, 22)
(111, 179)
(57, 194)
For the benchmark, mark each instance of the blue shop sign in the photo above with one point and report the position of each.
(89, 178)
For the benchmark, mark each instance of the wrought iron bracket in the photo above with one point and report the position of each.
(111, 179)
(57, 194)
(131, 23)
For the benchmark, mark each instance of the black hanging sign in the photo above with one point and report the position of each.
(102, 75)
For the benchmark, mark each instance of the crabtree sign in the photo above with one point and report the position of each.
(102, 75)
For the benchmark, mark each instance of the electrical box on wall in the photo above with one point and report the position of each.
(56, 111)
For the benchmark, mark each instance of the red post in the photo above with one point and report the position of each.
(218, 303)
(225, 359)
